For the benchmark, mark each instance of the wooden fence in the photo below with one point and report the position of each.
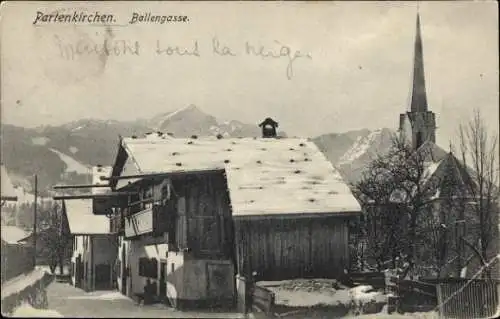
(262, 300)
(416, 296)
(253, 298)
(16, 260)
(466, 298)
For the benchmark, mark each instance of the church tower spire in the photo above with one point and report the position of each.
(418, 124)
(418, 102)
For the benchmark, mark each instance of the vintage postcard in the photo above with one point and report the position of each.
(326, 159)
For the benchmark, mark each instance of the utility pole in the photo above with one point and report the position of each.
(35, 221)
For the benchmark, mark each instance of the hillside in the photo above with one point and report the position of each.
(64, 154)
(352, 151)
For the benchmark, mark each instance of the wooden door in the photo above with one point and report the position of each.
(163, 281)
(78, 271)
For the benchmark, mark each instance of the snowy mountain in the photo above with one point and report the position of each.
(352, 151)
(191, 120)
(64, 154)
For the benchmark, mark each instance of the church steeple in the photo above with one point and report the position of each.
(418, 102)
(418, 124)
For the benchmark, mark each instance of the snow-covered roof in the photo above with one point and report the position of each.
(97, 172)
(265, 176)
(7, 186)
(430, 169)
(440, 165)
(431, 152)
(13, 234)
(81, 219)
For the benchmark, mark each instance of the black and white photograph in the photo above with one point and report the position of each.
(250, 159)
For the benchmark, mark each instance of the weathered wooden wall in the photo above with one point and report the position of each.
(203, 216)
(289, 248)
(16, 260)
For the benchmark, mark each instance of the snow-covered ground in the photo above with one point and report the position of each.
(26, 310)
(40, 140)
(416, 315)
(72, 164)
(73, 302)
(112, 295)
(325, 298)
(320, 292)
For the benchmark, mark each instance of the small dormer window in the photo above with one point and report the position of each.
(268, 128)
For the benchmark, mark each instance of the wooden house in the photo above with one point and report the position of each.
(176, 234)
(16, 252)
(94, 246)
(276, 207)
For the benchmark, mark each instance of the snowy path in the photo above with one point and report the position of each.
(73, 302)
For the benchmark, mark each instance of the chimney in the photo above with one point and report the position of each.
(269, 128)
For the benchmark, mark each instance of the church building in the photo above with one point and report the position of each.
(450, 179)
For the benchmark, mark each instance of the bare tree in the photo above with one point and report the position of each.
(399, 186)
(479, 150)
(55, 240)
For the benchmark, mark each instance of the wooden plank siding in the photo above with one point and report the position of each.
(292, 248)
(207, 218)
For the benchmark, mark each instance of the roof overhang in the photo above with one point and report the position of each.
(165, 174)
(263, 215)
(92, 234)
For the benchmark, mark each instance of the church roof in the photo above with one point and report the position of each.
(265, 176)
(431, 152)
(445, 171)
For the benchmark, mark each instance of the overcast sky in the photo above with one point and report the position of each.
(357, 74)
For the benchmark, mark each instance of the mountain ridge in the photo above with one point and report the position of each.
(62, 154)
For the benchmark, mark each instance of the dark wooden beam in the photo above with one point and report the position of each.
(92, 196)
(157, 175)
(282, 216)
(9, 198)
(79, 186)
